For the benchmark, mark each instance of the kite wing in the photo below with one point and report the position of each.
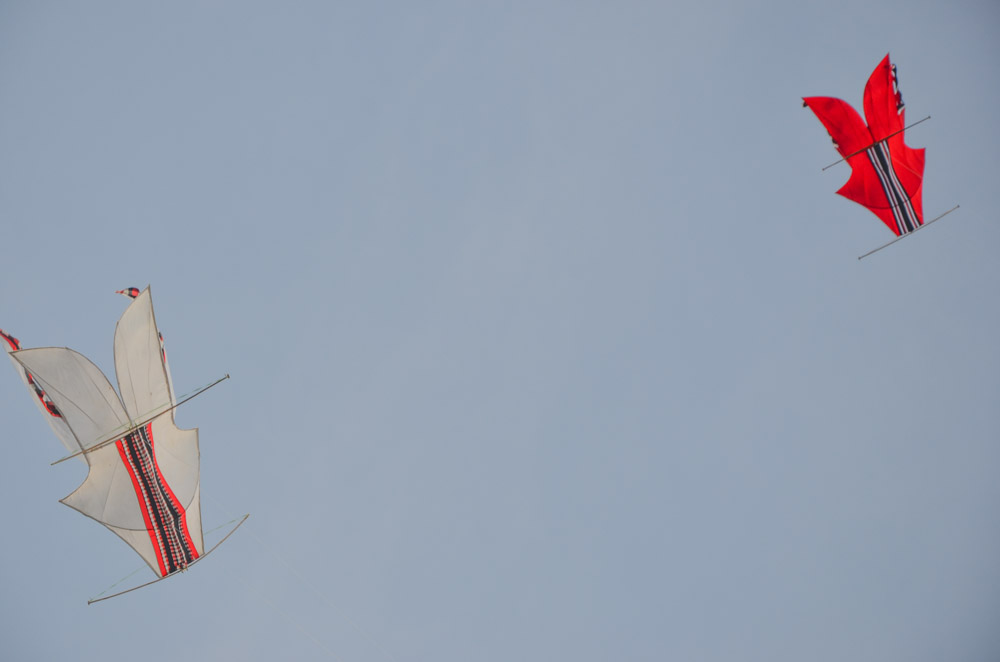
(41, 398)
(145, 485)
(886, 175)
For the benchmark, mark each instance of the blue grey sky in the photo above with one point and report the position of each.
(547, 335)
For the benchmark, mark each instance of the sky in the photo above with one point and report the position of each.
(547, 333)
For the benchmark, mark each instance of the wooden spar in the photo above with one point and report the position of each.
(116, 437)
(877, 142)
(160, 579)
(909, 233)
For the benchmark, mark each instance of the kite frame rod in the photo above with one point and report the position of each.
(909, 233)
(116, 437)
(877, 142)
(160, 579)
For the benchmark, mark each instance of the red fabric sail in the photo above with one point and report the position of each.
(886, 175)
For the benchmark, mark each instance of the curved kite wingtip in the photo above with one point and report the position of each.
(160, 579)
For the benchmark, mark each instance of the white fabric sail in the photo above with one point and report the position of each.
(143, 482)
(139, 361)
(41, 398)
(80, 391)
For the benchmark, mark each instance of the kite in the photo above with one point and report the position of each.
(144, 478)
(886, 175)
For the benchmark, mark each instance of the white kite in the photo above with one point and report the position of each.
(144, 478)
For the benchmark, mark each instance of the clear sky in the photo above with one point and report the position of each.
(547, 335)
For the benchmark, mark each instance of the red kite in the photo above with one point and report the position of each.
(886, 175)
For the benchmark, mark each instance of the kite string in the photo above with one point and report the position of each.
(326, 601)
(224, 524)
(284, 614)
(117, 582)
(324, 598)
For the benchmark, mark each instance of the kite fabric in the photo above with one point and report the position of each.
(886, 175)
(143, 483)
(41, 398)
(130, 292)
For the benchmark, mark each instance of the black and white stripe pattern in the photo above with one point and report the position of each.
(899, 200)
(166, 517)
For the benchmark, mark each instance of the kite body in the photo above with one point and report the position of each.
(143, 481)
(886, 175)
